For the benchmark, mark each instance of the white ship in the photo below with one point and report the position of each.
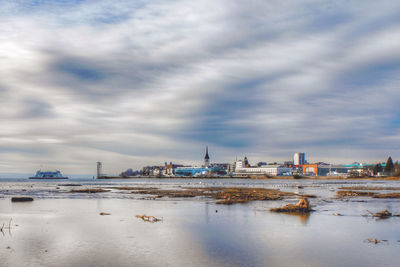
(48, 175)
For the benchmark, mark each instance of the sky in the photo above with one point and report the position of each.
(134, 83)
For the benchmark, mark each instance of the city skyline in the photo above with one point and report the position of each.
(144, 82)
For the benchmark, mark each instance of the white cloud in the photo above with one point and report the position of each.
(136, 84)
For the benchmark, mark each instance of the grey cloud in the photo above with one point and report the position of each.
(34, 108)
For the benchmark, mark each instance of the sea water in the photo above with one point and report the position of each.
(60, 228)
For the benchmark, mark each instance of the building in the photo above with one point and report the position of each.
(270, 170)
(242, 168)
(240, 164)
(310, 169)
(152, 171)
(299, 159)
(324, 169)
(221, 169)
(168, 169)
(191, 171)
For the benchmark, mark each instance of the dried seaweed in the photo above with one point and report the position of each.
(89, 190)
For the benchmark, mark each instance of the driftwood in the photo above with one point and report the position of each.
(146, 218)
(381, 215)
(376, 241)
(21, 199)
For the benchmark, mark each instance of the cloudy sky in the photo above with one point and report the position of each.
(132, 83)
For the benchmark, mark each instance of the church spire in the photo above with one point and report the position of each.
(206, 158)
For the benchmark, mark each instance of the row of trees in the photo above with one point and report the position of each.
(389, 169)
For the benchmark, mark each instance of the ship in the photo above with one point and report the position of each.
(48, 175)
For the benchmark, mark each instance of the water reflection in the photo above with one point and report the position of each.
(70, 232)
(6, 228)
(303, 217)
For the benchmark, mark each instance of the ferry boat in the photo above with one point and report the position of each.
(48, 175)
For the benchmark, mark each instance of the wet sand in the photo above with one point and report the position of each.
(66, 229)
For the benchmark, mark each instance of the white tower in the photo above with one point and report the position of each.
(99, 169)
(299, 159)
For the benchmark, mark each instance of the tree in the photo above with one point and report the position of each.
(389, 168)
(397, 169)
(377, 169)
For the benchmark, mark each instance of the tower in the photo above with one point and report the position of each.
(299, 159)
(99, 167)
(206, 158)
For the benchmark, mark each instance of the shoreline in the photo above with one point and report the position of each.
(318, 178)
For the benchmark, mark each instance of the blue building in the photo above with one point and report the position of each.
(191, 171)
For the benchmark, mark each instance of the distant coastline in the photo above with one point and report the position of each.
(391, 178)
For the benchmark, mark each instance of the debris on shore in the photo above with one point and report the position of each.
(69, 185)
(351, 193)
(303, 206)
(146, 218)
(224, 195)
(307, 196)
(388, 195)
(381, 214)
(21, 199)
(230, 196)
(159, 193)
(89, 190)
(104, 213)
(132, 188)
(368, 188)
(376, 241)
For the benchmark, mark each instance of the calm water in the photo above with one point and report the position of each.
(64, 229)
